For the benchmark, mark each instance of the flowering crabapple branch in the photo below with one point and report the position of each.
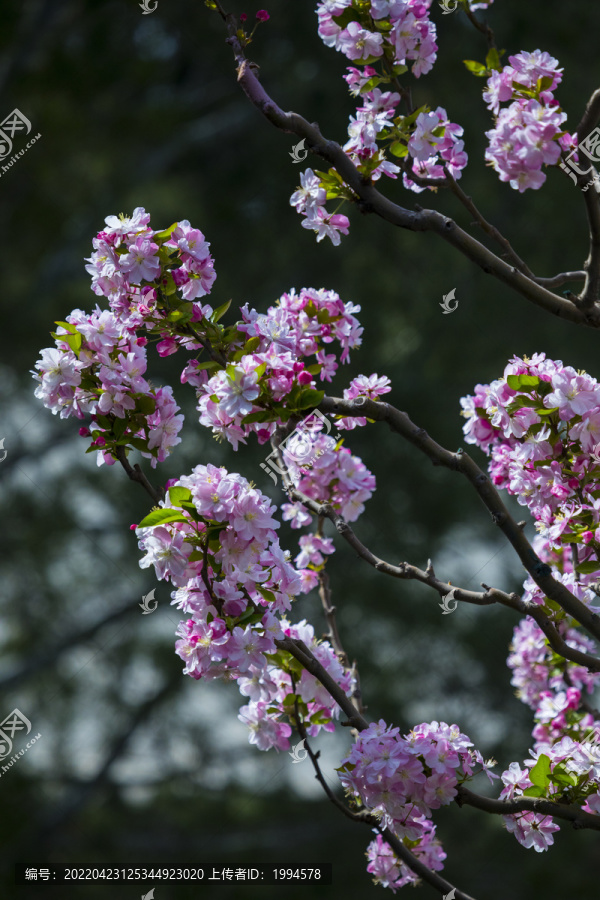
(214, 535)
(368, 818)
(478, 598)
(574, 814)
(462, 462)
(370, 200)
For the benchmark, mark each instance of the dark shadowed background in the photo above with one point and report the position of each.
(138, 765)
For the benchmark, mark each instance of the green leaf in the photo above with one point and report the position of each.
(398, 149)
(263, 415)
(588, 568)
(167, 284)
(408, 120)
(251, 345)
(309, 397)
(268, 595)
(74, 341)
(166, 234)
(476, 68)
(70, 328)
(179, 495)
(138, 443)
(209, 364)
(546, 412)
(514, 382)
(220, 311)
(260, 370)
(161, 517)
(119, 428)
(492, 60)
(145, 404)
(533, 792)
(529, 380)
(562, 778)
(540, 774)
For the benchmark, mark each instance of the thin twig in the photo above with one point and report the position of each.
(462, 462)
(136, 474)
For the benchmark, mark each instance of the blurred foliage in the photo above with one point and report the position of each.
(136, 764)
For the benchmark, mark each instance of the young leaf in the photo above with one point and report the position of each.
(161, 517)
(476, 68)
(179, 495)
(309, 397)
(540, 774)
(220, 311)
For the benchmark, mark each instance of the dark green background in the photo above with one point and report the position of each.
(138, 765)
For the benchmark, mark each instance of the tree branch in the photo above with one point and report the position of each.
(136, 474)
(590, 117)
(489, 229)
(462, 462)
(574, 814)
(301, 652)
(370, 200)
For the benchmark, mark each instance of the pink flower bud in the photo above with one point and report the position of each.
(243, 17)
(132, 527)
(304, 378)
(84, 432)
(262, 15)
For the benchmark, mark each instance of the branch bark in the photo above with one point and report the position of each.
(574, 814)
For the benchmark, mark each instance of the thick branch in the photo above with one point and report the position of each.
(591, 289)
(370, 200)
(462, 462)
(590, 117)
(574, 814)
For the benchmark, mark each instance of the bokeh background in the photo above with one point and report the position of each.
(138, 765)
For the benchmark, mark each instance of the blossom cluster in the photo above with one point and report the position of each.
(540, 424)
(214, 539)
(528, 133)
(97, 366)
(96, 369)
(401, 779)
(398, 33)
(401, 29)
(273, 366)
